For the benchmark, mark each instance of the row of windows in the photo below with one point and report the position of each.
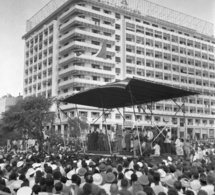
(38, 48)
(39, 38)
(45, 61)
(174, 120)
(118, 16)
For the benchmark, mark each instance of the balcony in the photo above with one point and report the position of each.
(86, 11)
(84, 81)
(84, 46)
(86, 58)
(87, 23)
(86, 34)
(86, 71)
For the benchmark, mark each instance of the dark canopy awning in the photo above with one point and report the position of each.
(128, 92)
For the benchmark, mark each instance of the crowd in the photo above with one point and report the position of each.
(41, 173)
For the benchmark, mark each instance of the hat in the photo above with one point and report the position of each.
(102, 167)
(17, 184)
(20, 163)
(169, 158)
(185, 182)
(82, 171)
(109, 167)
(195, 185)
(139, 174)
(170, 182)
(53, 166)
(35, 165)
(24, 191)
(162, 173)
(143, 180)
(97, 179)
(109, 177)
(140, 164)
(30, 172)
(70, 173)
(128, 174)
(165, 161)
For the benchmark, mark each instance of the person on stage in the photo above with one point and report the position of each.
(95, 136)
(101, 141)
(118, 140)
(89, 141)
(106, 141)
(128, 141)
(168, 142)
(156, 149)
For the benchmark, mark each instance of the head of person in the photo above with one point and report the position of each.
(189, 192)
(177, 185)
(137, 188)
(124, 183)
(36, 189)
(58, 187)
(172, 191)
(87, 189)
(148, 190)
(156, 177)
(203, 180)
(114, 188)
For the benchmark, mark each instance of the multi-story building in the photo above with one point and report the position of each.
(143, 39)
(7, 101)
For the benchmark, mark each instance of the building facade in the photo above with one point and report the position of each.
(142, 39)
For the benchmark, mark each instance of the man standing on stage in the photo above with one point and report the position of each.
(89, 141)
(101, 141)
(168, 142)
(118, 140)
(95, 136)
(128, 141)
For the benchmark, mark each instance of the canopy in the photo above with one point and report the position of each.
(125, 93)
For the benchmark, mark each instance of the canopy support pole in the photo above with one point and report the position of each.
(79, 126)
(105, 121)
(101, 116)
(58, 109)
(130, 92)
(121, 113)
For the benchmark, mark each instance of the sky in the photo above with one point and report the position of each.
(13, 16)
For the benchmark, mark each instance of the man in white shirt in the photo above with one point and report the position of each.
(156, 149)
(209, 188)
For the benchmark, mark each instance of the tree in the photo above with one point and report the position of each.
(76, 126)
(29, 116)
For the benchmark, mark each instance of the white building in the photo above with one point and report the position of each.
(143, 40)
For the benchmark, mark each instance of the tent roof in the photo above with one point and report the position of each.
(128, 92)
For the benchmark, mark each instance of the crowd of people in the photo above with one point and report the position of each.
(42, 173)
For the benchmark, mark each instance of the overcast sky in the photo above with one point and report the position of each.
(13, 16)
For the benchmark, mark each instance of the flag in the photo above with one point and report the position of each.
(103, 51)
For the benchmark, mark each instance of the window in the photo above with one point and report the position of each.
(118, 59)
(65, 90)
(96, 8)
(107, 11)
(117, 16)
(118, 70)
(117, 26)
(117, 37)
(95, 43)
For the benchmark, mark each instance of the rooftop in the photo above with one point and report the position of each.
(142, 7)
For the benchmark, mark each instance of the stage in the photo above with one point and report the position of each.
(157, 159)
